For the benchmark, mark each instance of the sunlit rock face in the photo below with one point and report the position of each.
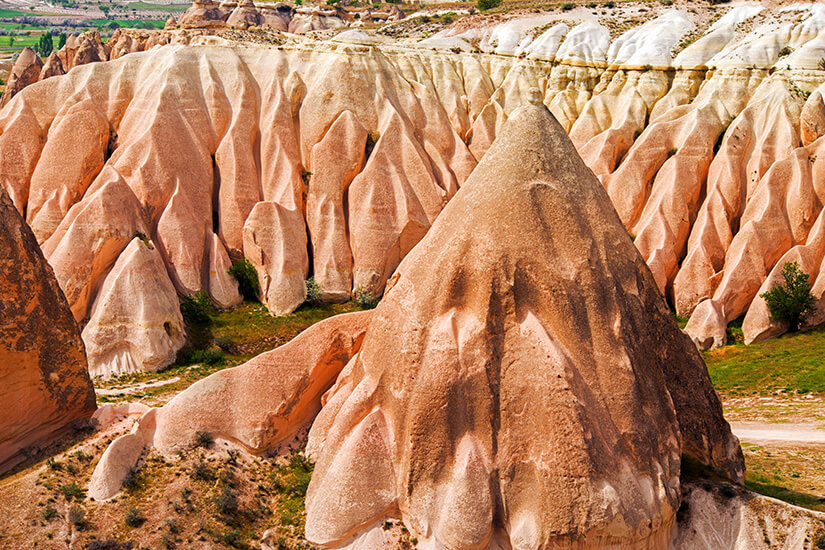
(522, 383)
(333, 158)
(45, 388)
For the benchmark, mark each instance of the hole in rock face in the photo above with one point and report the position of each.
(372, 139)
(168, 328)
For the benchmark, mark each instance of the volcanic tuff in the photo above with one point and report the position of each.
(44, 385)
(522, 383)
(341, 153)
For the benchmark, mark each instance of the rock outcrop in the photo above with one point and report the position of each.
(255, 406)
(522, 383)
(26, 70)
(45, 388)
(704, 167)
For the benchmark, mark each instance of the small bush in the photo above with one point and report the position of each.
(567, 6)
(172, 525)
(666, 2)
(72, 491)
(226, 501)
(203, 439)
(197, 307)
(77, 516)
(232, 538)
(134, 517)
(609, 4)
(672, 151)
(786, 51)
(313, 292)
(224, 342)
(244, 272)
(210, 356)
(202, 471)
(48, 512)
(791, 300)
(365, 299)
(131, 481)
(484, 5)
(82, 457)
(54, 464)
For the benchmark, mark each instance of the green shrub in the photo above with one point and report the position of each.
(313, 292)
(791, 300)
(244, 272)
(48, 512)
(202, 471)
(226, 501)
(484, 5)
(134, 517)
(77, 517)
(188, 356)
(232, 538)
(365, 299)
(72, 491)
(567, 6)
(197, 307)
(203, 439)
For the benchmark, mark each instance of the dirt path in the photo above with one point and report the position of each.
(767, 432)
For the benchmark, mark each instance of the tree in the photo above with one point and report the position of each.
(485, 5)
(45, 45)
(61, 40)
(791, 300)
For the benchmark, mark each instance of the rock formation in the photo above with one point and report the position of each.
(25, 71)
(522, 383)
(44, 386)
(704, 167)
(255, 406)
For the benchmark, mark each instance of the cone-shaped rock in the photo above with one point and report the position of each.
(44, 385)
(522, 384)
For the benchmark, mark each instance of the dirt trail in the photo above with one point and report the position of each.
(773, 432)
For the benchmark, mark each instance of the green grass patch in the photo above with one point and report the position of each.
(791, 363)
(148, 6)
(226, 339)
(759, 483)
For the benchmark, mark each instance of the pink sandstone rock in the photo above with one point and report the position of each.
(135, 324)
(281, 391)
(25, 71)
(91, 237)
(495, 308)
(44, 386)
(336, 160)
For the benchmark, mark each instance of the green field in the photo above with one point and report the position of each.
(791, 363)
(157, 7)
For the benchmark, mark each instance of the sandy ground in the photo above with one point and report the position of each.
(759, 432)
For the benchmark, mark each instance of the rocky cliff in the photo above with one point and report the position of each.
(333, 158)
(44, 385)
(521, 385)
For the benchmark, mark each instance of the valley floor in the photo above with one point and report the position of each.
(215, 497)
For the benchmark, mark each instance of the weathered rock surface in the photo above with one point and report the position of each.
(256, 405)
(522, 384)
(704, 167)
(135, 323)
(44, 385)
(25, 71)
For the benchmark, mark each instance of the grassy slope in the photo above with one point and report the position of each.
(782, 368)
(792, 363)
(230, 338)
